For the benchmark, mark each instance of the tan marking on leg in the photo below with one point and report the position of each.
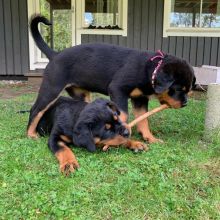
(67, 159)
(114, 142)
(118, 140)
(65, 139)
(136, 145)
(82, 92)
(165, 98)
(32, 128)
(73, 90)
(31, 132)
(136, 93)
(143, 126)
(97, 140)
(128, 143)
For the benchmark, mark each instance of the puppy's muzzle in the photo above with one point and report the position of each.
(125, 132)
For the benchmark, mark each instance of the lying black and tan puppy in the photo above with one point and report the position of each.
(85, 125)
(122, 73)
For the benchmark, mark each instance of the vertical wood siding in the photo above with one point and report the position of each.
(13, 37)
(145, 29)
(145, 32)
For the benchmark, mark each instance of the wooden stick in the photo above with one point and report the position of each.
(142, 117)
(147, 114)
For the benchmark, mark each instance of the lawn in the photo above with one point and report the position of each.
(179, 179)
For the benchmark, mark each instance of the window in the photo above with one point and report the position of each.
(192, 18)
(104, 17)
(58, 36)
(102, 14)
(73, 18)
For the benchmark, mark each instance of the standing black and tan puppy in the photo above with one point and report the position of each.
(71, 120)
(119, 72)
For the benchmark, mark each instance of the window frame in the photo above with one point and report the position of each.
(35, 59)
(119, 11)
(192, 31)
(123, 11)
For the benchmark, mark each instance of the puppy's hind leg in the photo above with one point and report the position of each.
(48, 94)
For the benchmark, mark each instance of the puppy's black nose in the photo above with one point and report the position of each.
(126, 133)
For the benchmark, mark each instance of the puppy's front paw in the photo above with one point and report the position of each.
(32, 135)
(67, 161)
(152, 140)
(105, 148)
(137, 146)
(68, 167)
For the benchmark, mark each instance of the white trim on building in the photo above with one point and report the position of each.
(78, 9)
(188, 31)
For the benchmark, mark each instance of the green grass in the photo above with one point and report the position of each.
(179, 179)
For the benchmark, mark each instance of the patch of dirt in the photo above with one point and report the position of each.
(199, 95)
(213, 167)
(12, 89)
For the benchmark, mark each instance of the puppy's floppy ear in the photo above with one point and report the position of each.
(162, 82)
(82, 136)
(113, 107)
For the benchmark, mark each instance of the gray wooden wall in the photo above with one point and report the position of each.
(145, 31)
(145, 27)
(13, 37)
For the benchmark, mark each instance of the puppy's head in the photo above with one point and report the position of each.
(99, 120)
(174, 81)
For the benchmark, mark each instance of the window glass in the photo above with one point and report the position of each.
(210, 16)
(58, 36)
(101, 14)
(185, 13)
(190, 13)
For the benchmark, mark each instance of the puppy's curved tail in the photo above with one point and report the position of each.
(34, 21)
